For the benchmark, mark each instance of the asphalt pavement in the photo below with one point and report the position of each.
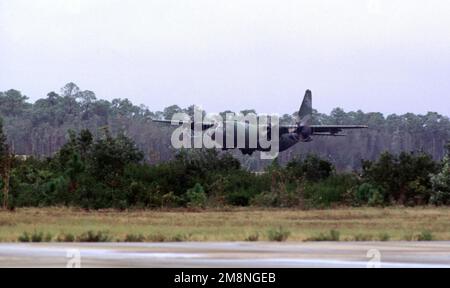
(229, 255)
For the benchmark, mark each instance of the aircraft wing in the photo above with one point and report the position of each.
(333, 130)
(171, 122)
(204, 125)
(323, 130)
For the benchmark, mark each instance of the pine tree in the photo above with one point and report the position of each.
(441, 182)
(5, 165)
(3, 145)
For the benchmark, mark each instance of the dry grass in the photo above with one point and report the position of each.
(230, 225)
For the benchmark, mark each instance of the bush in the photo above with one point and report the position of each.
(252, 237)
(425, 236)
(265, 199)
(157, 238)
(332, 235)
(377, 199)
(369, 194)
(65, 238)
(179, 238)
(329, 191)
(278, 235)
(281, 195)
(363, 237)
(25, 237)
(134, 238)
(196, 197)
(242, 186)
(108, 172)
(92, 237)
(441, 184)
(35, 237)
(312, 168)
(405, 178)
(384, 237)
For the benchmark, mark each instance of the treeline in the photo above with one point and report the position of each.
(40, 129)
(110, 172)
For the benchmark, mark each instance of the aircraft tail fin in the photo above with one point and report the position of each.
(305, 113)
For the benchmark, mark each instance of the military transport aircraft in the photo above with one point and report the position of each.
(287, 136)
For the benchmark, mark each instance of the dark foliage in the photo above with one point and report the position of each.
(40, 129)
(95, 165)
(404, 178)
(312, 168)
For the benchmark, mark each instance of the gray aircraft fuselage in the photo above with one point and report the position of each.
(243, 134)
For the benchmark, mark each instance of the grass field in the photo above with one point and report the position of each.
(361, 224)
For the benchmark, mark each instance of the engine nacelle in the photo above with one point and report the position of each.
(305, 133)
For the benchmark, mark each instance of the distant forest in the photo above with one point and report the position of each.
(41, 129)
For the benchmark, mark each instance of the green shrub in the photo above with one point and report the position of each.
(332, 235)
(265, 199)
(157, 238)
(370, 194)
(242, 186)
(65, 238)
(377, 199)
(252, 237)
(335, 235)
(363, 237)
(239, 198)
(35, 237)
(405, 178)
(425, 236)
(384, 237)
(92, 237)
(281, 195)
(179, 238)
(441, 183)
(196, 197)
(279, 235)
(134, 238)
(329, 191)
(25, 237)
(48, 237)
(312, 168)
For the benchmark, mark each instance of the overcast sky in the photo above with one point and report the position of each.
(391, 56)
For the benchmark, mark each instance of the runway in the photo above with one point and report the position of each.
(229, 255)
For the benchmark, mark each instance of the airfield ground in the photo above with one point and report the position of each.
(234, 224)
(228, 255)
